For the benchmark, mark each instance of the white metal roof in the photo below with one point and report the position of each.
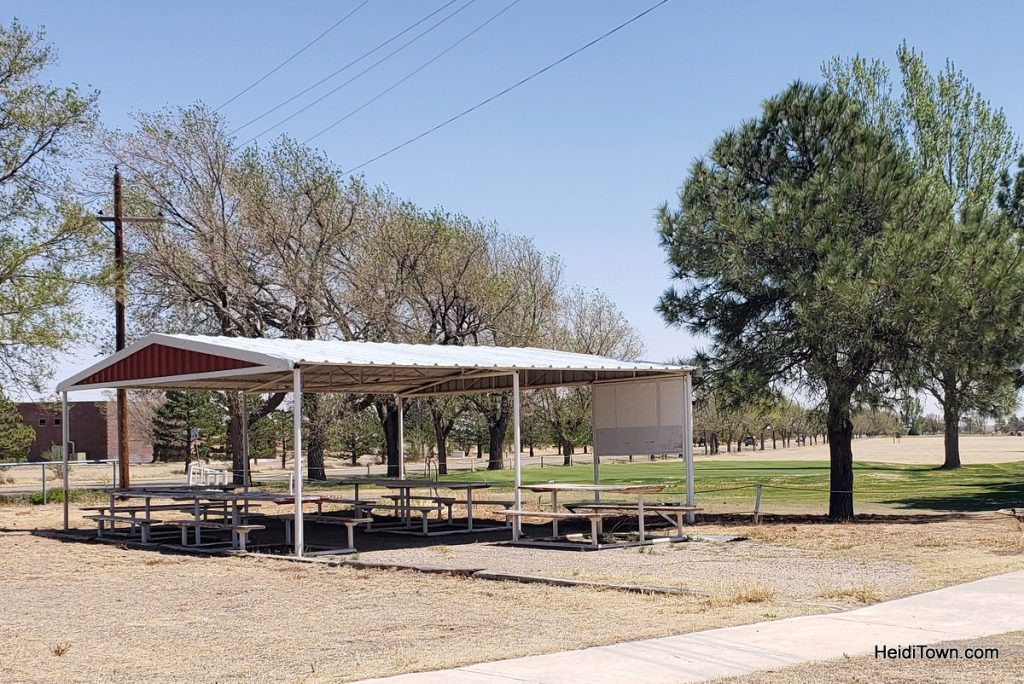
(375, 367)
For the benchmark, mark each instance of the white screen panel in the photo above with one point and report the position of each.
(639, 417)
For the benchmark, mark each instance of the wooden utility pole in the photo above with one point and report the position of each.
(123, 462)
(120, 334)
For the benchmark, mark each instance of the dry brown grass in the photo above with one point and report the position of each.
(130, 615)
(920, 450)
(275, 620)
(749, 594)
(862, 594)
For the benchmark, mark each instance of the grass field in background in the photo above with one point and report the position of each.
(973, 487)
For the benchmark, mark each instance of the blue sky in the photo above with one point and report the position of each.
(578, 158)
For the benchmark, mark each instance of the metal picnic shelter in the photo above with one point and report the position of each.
(259, 365)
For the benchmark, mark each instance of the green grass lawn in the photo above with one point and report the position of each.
(973, 487)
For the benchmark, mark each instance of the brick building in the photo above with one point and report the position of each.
(93, 430)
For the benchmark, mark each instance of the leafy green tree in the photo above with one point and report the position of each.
(911, 415)
(358, 432)
(46, 238)
(270, 431)
(187, 420)
(791, 247)
(962, 145)
(15, 436)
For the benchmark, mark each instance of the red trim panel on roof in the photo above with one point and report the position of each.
(158, 361)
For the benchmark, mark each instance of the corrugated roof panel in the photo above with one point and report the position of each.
(387, 353)
(235, 362)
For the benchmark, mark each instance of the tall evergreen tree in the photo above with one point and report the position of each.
(187, 420)
(15, 436)
(790, 247)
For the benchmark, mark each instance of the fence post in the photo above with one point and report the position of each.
(757, 505)
(42, 472)
(113, 474)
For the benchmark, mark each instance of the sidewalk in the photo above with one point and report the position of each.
(993, 605)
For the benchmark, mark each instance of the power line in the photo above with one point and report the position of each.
(301, 50)
(508, 89)
(338, 71)
(414, 71)
(369, 68)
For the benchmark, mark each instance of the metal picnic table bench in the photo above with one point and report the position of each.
(403, 500)
(596, 512)
(202, 500)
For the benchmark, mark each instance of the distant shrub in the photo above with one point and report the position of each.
(56, 495)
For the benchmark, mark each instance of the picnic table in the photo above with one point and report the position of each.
(199, 500)
(595, 516)
(404, 504)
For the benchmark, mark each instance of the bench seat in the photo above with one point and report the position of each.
(648, 508)
(554, 516)
(665, 510)
(143, 524)
(239, 532)
(401, 509)
(349, 523)
(446, 501)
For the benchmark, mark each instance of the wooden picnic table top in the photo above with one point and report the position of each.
(570, 487)
(209, 495)
(385, 482)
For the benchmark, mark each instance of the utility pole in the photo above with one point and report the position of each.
(120, 335)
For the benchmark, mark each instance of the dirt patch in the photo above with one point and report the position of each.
(127, 615)
(82, 611)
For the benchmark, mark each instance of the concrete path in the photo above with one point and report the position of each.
(989, 606)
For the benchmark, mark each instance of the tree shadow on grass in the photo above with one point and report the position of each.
(966, 497)
(744, 519)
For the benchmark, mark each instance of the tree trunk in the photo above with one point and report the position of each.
(714, 442)
(387, 413)
(497, 425)
(235, 439)
(840, 432)
(441, 437)
(567, 451)
(496, 440)
(951, 436)
(234, 444)
(316, 429)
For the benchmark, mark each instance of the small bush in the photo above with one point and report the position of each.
(751, 594)
(865, 594)
(56, 495)
(61, 648)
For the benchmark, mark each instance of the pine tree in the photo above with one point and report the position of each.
(15, 436)
(794, 247)
(180, 414)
